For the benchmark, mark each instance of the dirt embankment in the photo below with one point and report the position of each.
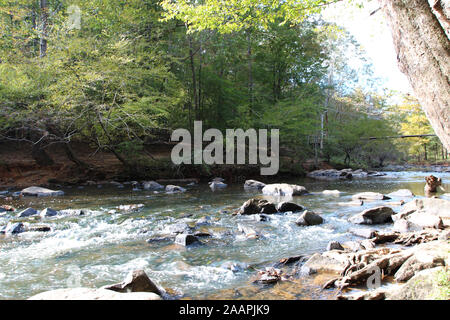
(19, 169)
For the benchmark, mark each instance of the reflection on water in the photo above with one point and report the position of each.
(104, 247)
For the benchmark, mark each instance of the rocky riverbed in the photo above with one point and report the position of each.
(304, 239)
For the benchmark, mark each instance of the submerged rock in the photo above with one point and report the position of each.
(377, 215)
(130, 207)
(370, 196)
(174, 189)
(136, 281)
(93, 294)
(309, 218)
(253, 184)
(215, 185)
(356, 203)
(284, 189)
(41, 192)
(401, 193)
(152, 185)
(249, 233)
(331, 192)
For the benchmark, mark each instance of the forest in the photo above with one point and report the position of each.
(120, 76)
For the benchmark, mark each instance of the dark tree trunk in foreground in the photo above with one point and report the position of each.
(423, 53)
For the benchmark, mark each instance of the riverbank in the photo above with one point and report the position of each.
(18, 169)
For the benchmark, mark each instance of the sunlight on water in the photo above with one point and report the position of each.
(103, 247)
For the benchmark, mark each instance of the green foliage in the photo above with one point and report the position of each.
(137, 69)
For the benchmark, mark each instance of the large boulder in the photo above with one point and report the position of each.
(370, 196)
(288, 206)
(377, 215)
(41, 192)
(422, 286)
(309, 218)
(253, 184)
(93, 294)
(136, 281)
(256, 206)
(426, 212)
(284, 189)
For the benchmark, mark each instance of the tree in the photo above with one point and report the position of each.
(418, 31)
(423, 54)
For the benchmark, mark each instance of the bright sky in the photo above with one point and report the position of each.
(374, 36)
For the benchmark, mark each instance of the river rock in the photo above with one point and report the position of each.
(203, 221)
(130, 207)
(334, 245)
(177, 228)
(253, 184)
(250, 233)
(152, 185)
(13, 228)
(416, 263)
(41, 192)
(335, 193)
(186, 239)
(326, 262)
(331, 174)
(136, 281)
(363, 232)
(48, 212)
(422, 286)
(215, 185)
(309, 218)
(174, 189)
(284, 189)
(421, 209)
(288, 206)
(93, 294)
(377, 215)
(28, 212)
(356, 203)
(370, 196)
(256, 206)
(401, 193)
(37, 228)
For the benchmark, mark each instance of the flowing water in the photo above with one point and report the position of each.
(100, 247)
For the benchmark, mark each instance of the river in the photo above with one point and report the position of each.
(100, 247)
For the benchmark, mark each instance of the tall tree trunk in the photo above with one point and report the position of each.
(423, 54)
(44, 23)
(250, 71)
(194, 78)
